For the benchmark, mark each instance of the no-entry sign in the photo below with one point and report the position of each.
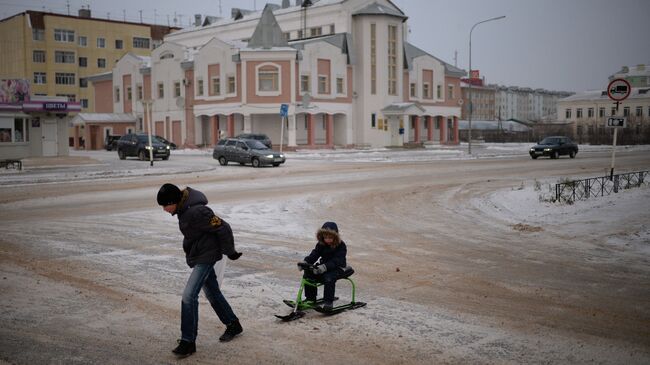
(619, 89)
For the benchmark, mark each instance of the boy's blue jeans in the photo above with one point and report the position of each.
(202, 276)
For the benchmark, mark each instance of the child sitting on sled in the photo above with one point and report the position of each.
(330, 254)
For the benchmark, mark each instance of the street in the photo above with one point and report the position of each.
(92, 269)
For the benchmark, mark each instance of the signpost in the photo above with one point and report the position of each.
(617, 90)
(284, 113)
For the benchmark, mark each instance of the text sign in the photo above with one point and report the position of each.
(55, 106)
(616, 122)
(284, 110)
(619, 89)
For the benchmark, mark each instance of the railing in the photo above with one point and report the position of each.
(571, 191)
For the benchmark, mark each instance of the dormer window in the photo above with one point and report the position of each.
(268, 79)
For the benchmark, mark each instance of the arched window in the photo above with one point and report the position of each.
(268, 79)
(166, 55)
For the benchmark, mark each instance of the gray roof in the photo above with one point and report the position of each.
(268, 33)
(411, 52)
(396, 108)
(378, 9)
(341, 40)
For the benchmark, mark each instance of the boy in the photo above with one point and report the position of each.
(331, 251)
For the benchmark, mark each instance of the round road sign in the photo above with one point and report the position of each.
(619, 89)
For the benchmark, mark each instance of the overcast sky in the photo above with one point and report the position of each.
(568, 45)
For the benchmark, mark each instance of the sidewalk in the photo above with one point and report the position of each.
(57, 161)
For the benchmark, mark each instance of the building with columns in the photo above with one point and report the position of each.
(343, 67)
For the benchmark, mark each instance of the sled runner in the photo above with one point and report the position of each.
(300, 305)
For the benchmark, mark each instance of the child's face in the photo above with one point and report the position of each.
(328, 239)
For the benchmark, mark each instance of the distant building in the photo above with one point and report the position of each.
(343, 67)
(57, 52)
(589, 110)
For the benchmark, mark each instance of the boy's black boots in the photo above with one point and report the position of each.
(232, 330)
(184, 348)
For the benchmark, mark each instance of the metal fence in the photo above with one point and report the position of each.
(571, 191)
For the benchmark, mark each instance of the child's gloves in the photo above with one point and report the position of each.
(302, 265)
(319, 269)
(234, 256)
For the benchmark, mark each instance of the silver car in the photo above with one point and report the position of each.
(246, 151)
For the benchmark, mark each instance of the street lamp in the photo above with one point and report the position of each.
(471, 106)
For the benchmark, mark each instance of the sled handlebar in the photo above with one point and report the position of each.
(305, 266)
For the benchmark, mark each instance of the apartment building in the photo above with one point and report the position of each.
(57, 52)
(343, 68)
(589, 110)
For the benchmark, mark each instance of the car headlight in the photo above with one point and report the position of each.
(548, 149)
(269, 156)
(532, 150)
(148, 147)
(281, 156)
(167, 147)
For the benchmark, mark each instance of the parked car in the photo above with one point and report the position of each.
(246, 151)
(171, 144)
(110, 142)
(257, 136)
(554, 147)
(133, 144)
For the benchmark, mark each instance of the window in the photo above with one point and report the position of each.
(101, 43)
(101, 62)
(216, 86)
(84, 103)
(83, 62)
(70, 97)
(579, 113)
(426, 90)
(322, 84)
(64, 35)
(304, 83)
(161, 90)
(332, 29)
(268, 79)
(117, 94)
(601, 112)
(231, 84)
(450, 92)
(373, 59)
(63, 57)
(119, 44)
(38, 34)
(567, 114)
(339, 85)
(14, 132)
(64, 78)
(613, 112)
(140, 42)
(40, 78)
(590, 113)
(140, 95)
(177, 89)
(412, 90)
(166, 55)
(38, 56)
(83, 82)
(392, 60)
(439, 91)
(639, 111)
(373, 120)
(316, 31)
(129, 93)
(83, 41)
(626, 111)
(199, 87)
(299, 34)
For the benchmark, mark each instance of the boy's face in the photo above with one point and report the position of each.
(328, 239)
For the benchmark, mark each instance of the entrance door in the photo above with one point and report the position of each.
(396, 139)
(50, 138)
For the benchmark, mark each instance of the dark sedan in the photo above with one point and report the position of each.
(138, 145)
(554, 147)
(246, 151)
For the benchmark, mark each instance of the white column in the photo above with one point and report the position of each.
(248, 124)
(291, 131)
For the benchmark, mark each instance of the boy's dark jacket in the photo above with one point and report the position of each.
(206, 236)
(332, 257)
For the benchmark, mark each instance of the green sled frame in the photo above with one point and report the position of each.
(299, 305)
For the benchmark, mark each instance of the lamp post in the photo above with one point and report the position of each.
(471, 105)
(147, 116)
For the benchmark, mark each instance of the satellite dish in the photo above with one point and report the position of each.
(180, 102)
(306, 99)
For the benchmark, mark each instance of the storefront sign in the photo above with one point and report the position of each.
(55, 106)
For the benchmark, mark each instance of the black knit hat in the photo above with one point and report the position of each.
(331, 226)
(169, 194)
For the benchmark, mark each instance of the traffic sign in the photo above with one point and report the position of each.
(284, 110)
(619, 89)
(616, 122)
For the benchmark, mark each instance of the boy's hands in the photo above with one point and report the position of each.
(234, 256)
(302, 265)
(319, 269)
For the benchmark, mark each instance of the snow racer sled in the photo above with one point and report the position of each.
(300, 305)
